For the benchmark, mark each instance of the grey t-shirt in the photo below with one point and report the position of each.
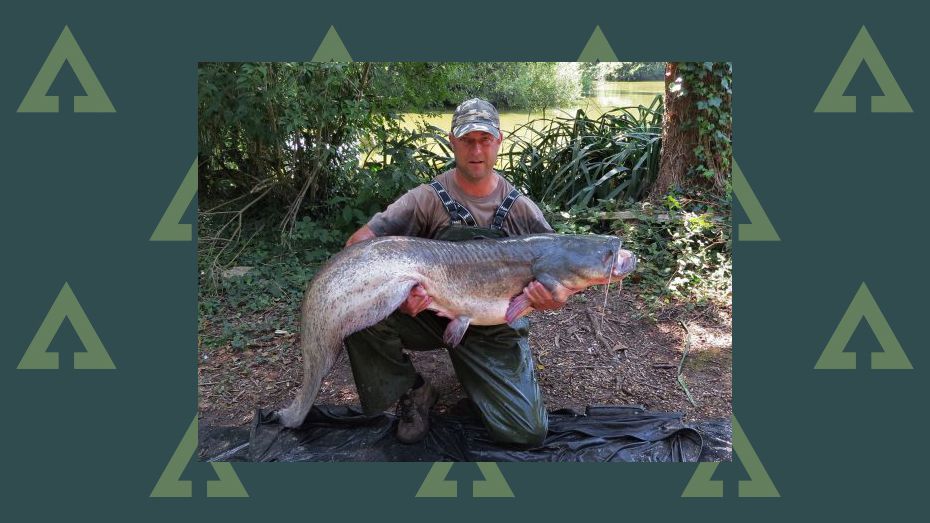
(420, 213)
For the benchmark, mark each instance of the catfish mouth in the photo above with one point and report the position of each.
(624, 264)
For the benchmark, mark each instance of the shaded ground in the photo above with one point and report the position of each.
(581, 360)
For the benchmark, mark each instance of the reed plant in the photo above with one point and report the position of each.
(574, 162)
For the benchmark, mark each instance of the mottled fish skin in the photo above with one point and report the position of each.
(475, 280)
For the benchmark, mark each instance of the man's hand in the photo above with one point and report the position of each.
(364, 233)
(540, 298)
(417, 301)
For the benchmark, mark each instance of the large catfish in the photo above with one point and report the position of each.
(478, 282)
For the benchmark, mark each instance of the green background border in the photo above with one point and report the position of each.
(84, 193)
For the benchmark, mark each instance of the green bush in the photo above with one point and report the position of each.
(574, 162)
(683, 245)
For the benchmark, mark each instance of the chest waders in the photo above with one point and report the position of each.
(493, 363)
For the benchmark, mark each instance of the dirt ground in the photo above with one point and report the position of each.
(582, 358)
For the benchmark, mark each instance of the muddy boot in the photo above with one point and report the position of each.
(413, 412)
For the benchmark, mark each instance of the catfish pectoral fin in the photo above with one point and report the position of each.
(519, 306)
(455, 330)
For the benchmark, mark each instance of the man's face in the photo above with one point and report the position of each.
(475, 153)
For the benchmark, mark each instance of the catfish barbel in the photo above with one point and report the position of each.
(476, 282)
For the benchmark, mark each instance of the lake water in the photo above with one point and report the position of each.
(608, 95)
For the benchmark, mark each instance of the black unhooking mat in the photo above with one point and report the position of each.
(337, 433)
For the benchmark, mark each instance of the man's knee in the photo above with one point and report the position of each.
(526, 431)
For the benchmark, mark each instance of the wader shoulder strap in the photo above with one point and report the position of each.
(457, 212)
(504, 209)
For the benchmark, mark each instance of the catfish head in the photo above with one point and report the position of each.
(566, 264)
(570, 263)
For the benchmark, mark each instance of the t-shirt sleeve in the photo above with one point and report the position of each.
(533, 220)
(401, 218)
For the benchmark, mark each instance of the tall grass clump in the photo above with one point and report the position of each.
(575, 162)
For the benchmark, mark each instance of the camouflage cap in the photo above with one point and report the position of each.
(476, 115)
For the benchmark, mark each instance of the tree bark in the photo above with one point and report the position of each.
(679, 135)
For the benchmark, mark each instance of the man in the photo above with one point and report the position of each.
(493, 363)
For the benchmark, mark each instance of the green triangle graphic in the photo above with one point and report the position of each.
(169, 229)
(863, 306)
(864, 49)
(701, 485)
(228, 484)
(435, 485)
(170, 484)
(758, 486)
(66, 305)
(759, 229)
(494, 485)
(597, 49)
(66, 49)
(331, 49)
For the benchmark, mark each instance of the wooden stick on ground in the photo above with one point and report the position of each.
(681, 377)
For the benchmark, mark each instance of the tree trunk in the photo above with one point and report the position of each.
(679, 134)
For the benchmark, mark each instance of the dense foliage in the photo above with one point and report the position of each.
(683, 244)
(710, 85)
(288, 135)
(576, 162)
